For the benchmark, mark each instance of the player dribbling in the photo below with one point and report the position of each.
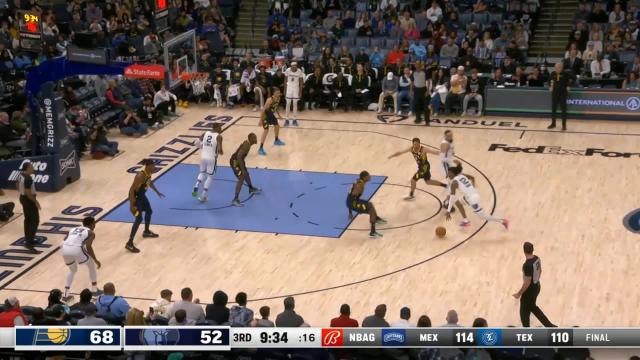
(211, 146)
(465, 183)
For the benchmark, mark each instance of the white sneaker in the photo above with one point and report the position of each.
(399, 112)
(202, 198)
(410, 113)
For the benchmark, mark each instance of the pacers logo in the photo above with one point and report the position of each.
(332, 337)
(51, 336)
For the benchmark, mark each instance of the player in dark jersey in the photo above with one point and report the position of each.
(268, 118)
(240, 169)
(530, 289)
(139, 203)
(419, 153)
(354, 203)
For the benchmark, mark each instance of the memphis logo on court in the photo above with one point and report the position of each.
(51, 336)
(632, 221)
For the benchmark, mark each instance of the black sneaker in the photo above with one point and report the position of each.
(67, 298)
(132, 248)
(552, 126)
(255, 190)
(149, 234)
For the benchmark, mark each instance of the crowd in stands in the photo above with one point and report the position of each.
(109, 308)
(604, 41)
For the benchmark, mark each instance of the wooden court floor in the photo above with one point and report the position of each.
(568, 203)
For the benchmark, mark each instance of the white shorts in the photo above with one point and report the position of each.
(445, 165)
(293, 93)
(74, 254)
(208, 166)
(473, 202)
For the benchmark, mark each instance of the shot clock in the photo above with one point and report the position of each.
(30, 29)
(276, 337)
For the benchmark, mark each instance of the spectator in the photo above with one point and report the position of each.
(412, 33)
(289, 318)
(403, 322)
(349, 22)
(135, 317)
(406, 21)
(90, 318)
(480, 322)
(600, 68)
(149, 114)
(12, 315)
(617, 16)
(131, 125)
(631, 82)
(344, 320)
(582, 14)
(240, 315)
(589, 54)
(93, 13)
(424, 321)
(192, 307)
(58, 315)
(264, 318)
(439, 92)
(340, 92)
(508, 66)
(452, 319)
(405, 90)
(180, 318)
(498, 78)
(535, 79)
(573, 63)
(395, 56)
(434, 13)
(361, 84)
(84, 303)
(634, 66)
(377, 319)
(362, 57)
(366, 29)
(110, 305)
(475, 89)
(389, 89)
(218, 311)
(457, 91)
(468, 60)
(112, 97)
(479, 7)
(55, 298)
(450, 50)
(161, 307)
(597, 14)
(611, 54)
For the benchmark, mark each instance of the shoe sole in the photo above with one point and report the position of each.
(135, 251)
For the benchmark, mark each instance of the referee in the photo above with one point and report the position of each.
(559, 86)
(528, 294)
(420, 93)
(30, 205)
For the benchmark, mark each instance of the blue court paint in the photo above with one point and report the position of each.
(291, 202)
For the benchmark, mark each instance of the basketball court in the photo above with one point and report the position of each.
(566, 192)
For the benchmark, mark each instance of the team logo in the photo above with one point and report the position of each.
(488, 337)
(632, 221)
(393, 337)
(389, 119)
(633, 103)
(51, 336)
(68, 163)
(332, 337)
(161, 336)
(559, 150)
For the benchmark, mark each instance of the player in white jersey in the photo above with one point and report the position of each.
(293, 92)
(447, 152)
(77, 249)
(465, 183)
(210, 146)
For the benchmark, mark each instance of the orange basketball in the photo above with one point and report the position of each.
(441, 231)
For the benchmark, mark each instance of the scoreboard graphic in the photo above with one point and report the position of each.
(221, 338)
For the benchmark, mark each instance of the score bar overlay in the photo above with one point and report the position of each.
(220, 338)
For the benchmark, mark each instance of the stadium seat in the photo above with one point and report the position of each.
(362, 41)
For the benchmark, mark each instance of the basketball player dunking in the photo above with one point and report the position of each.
(211, 146)
(239, 168)
(268, 118)
(465, 183)
(77, 249)
(139, 203)
(354, 203)
(293, 92)
(419, 153)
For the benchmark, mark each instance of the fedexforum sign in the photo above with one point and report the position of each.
(559, 150)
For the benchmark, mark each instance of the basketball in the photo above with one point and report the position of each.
(441, 231)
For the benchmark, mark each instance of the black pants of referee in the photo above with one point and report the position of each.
(528, 306)
(559, 100)
(419, 94)
(31, 220)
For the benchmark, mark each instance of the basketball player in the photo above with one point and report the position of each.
(268, 118)
(354, 203)
(77, 249)
(465, 183)
(211, 145)
(293, 91)
(447, 152)
(139, 203)
(419, 153)
(239, 168)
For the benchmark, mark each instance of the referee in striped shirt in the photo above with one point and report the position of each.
(30, 205)
(528, 294)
